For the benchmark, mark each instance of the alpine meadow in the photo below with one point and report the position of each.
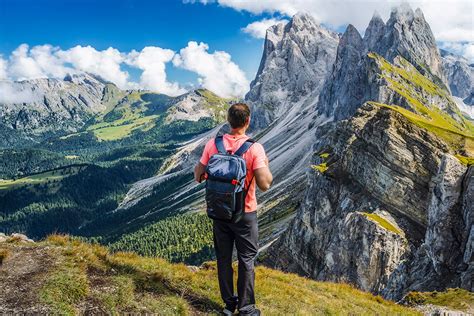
(369, 133)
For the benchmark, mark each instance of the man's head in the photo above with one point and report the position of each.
(238, 116)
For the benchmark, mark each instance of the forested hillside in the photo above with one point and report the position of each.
(73, 182)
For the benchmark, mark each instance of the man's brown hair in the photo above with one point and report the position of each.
(238, 114)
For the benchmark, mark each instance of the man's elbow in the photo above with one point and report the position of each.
(266, 185)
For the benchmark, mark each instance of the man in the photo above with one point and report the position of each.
(244, 233)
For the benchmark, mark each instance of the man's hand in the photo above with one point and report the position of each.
(199, 172)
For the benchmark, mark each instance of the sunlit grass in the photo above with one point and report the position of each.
(383, 222)
(154, 285)
(39, 178)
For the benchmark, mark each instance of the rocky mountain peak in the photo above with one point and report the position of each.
(402, 12)
(406, 35)
(351, 37)
(409, 35)
(296, 60)
(301, 21)
(375, 30)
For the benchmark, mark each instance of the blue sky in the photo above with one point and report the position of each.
(128, 25)
(170, 46)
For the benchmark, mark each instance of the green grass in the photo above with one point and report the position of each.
(64, 288)
(383, 222)
(39, 178)
(458, 299)
(324, 155)
(115, 132)
(449, 125)
(322, 167)
(467, 161)
(132, 283)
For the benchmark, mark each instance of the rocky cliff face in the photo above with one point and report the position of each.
(460, 75)
(387, 205)
(43, 107)
(406, 35)
(297, 58)
(390, 195)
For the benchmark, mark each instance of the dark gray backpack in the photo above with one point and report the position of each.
(225, 183)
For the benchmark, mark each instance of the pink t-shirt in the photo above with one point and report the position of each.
(255, 158)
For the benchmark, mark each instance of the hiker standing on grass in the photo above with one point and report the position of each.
(233, 165)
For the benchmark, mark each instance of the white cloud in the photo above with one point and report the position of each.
(12, 93)
(105, 63)
(216, 71)
(450, 20)
(460, 48)
(3, 68)
(23, 66)
(258, 29)
(152, 60)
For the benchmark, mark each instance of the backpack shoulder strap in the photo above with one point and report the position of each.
(245, 146)
(219, 141)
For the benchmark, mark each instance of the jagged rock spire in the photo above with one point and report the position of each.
(296, 60)
(375, 31)
(407, 33)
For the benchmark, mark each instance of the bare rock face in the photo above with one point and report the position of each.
(353, 82)
(444, 219)
(460, 75)
(297, 58)
(359, 216)
(44, 106)
(467, 241)
(409, 35)
(384, 209)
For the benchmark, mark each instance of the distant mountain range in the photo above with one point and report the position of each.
(370, 139)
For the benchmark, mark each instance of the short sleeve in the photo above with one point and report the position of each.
(259, 156)
(206, 154)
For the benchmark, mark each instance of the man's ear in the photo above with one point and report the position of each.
(248, 121)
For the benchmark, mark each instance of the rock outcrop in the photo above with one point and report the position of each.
(296, 59)
(44, 107)
(406, 35)
(383, 204)
(460, 75)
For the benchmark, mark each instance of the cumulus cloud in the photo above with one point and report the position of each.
(12, 93)
(258, 29)
(23, 66)
(152, 60)
(105, 63)
(3, 68)
(216, 71)
(449, 20)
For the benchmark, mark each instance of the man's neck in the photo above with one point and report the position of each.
(237, 131)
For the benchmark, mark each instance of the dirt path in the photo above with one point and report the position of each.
(21, 275)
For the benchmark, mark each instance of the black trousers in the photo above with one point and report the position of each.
(244, 235)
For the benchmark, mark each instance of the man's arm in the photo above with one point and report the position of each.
(263, 177)
(199, 171)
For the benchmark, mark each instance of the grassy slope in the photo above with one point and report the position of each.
(83, 275)
(39, 178)
(457, 299)
(449, 125)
